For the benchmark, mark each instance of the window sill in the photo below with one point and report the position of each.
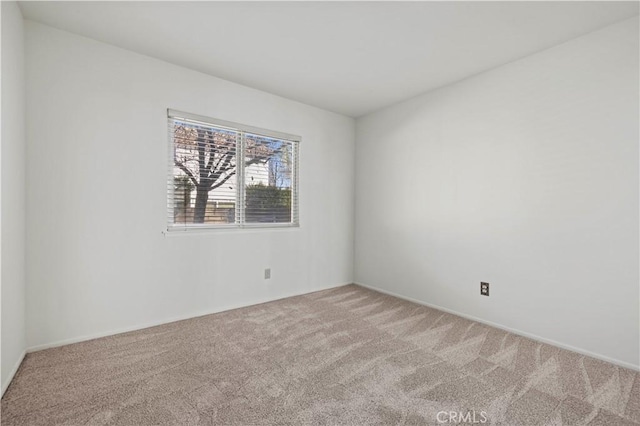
(228, 229)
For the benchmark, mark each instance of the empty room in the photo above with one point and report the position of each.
(320, 213)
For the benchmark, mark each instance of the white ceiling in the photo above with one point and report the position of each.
(347, 57)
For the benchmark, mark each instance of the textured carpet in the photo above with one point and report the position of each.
(344, 356)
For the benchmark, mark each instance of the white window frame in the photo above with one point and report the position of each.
(242, 129)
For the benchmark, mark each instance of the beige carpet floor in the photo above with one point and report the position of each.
(346, 356)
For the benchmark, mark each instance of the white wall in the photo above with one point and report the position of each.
(97, 260)
(525, 176)
(13, 192)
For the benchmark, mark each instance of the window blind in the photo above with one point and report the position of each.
(224, 174)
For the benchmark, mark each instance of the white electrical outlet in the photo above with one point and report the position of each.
(267, 273)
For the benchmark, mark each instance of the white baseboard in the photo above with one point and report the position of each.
(509, 329)
(14, 370)
(84, 338)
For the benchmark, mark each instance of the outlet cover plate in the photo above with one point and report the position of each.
(484, 289)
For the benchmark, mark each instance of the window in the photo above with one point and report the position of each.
(224, 174)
